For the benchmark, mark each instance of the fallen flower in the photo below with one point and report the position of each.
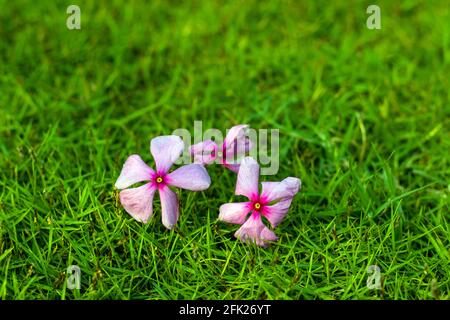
(273, 203)
(235, 145)
(138, 202)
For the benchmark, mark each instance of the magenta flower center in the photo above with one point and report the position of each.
(258, 206)
(159, 180)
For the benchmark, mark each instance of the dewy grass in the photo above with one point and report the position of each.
(364, 121)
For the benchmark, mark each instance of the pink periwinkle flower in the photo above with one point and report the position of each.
(272, 203)
(138, 202)
(236, 144)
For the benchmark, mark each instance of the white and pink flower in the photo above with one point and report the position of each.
(272, 203)
(138, 202)
(228, 154)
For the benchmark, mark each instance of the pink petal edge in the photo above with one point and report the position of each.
(138, 202)
(169, 207)
(254, 230)
(237, 144)
(134, 170)
(247, 179)
(234, 212)
(273, 191)
(276, 213)
(192, 177)
(234, 133)
(166, 150)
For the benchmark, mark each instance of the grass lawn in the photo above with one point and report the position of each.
(364, 118)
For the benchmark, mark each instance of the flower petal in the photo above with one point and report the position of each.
(236, 144)
(234, 212)
(254, 230)
(134, 170)
(232, 167)
(169, 207)
(236, 132)
(275, 213)
(247, 179)
(166, 150)
(138, 202)
(191, 177)
(204, 152)
(272, 191)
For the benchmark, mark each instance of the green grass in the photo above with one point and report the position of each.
(364, 118)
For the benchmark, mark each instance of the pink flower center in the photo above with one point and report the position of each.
(159, 180)
(257, 206)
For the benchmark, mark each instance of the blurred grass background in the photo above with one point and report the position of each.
(363, 116)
